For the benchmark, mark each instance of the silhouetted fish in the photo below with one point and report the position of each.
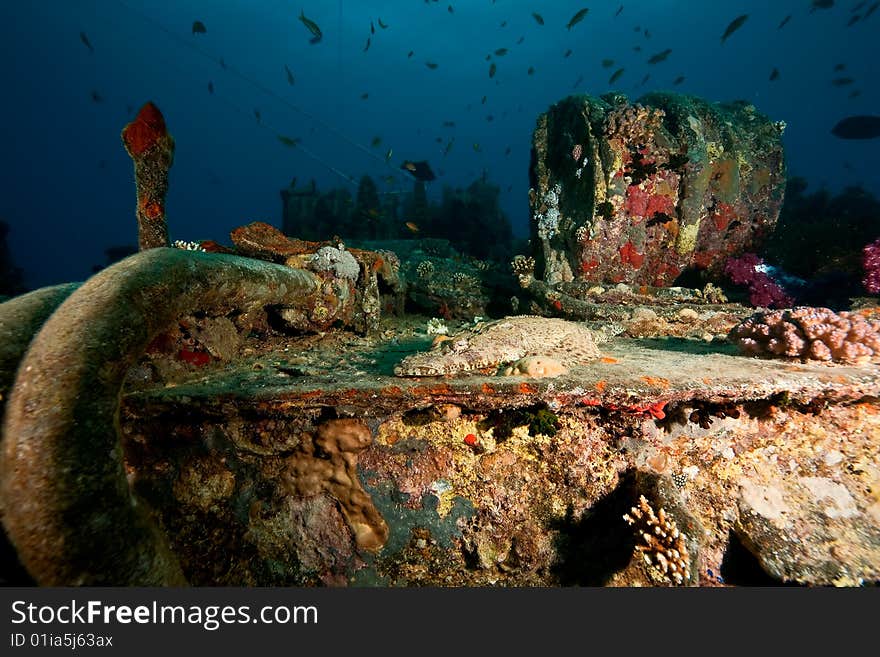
(734, 25)
(855, 93)
(567, 53)
(257, 114)
(660, 56)
(615, 76)
(607, 63)
(577, 18)
(492, 69)
(531, 70)
(619, 9)
(376, 141)
(678, 80)
(198, 27)
(857, 127)
(86, 42)
(871, 10)
(290, 78)
(372, 28)
(501, 52)
(774, 74)
(538, 18)
(842, 82)
(96, 97)
(821, 4)
(381, 24)
(431, 65)
(312, 27)
(210, 87)
(367, 46)
(418, 170)
(290, 142)
(520, 40)
(858, 6)
(853, 20)
(784, 21)
(839, 67)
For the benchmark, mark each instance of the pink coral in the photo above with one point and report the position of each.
(809, 334)
(871, 265)
(764, 292)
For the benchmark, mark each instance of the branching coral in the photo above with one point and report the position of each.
(751, 271)
(809, 334)
(662, 545)
(871, 265)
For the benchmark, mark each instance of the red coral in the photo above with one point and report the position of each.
(723, 215)
(197, 358)
(145, 131)
(629, 255)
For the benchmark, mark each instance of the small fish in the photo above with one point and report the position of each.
(490, 118)
(619, 9)
(210, 87)
(647, 34)
(365, 95)
(410, 54)
(96, 97)
(492, 69)
(257, 114)
(450, 9)
(86, 42)
(577, 18)
(660, 56)
(290, 142)
(419, 170)
(503, 24)
(734, 25)
(412, 226)
(538, 18)
(367, 46)
(449, 124)
(858, 6)
(774, 74)
(312, 27)
(501, 52)
(448, 147)
(431, 65)
(376, 141)
(520, 40)
(644, 80)
(381, 24)
(222, 64)
(577, 82)
(507, 151)
(677, 81)
(871, 10)
(477, 147)
(637, 48)
(607, 63)
(531, 70)
(853, 20)
(783, 23)
(372, 29)
(388, 155)
(821, 4)
(567, 53)
(289, 73)
(488, 57)
(615, 76)
(855, 93)
(857, 127)
(483, 100)
(839, 67)
(842, 82)
(198, 27)
(736, 223)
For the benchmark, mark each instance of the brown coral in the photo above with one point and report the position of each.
(661, 543)
(809, 334)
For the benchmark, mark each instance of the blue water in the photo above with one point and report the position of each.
(67, 187)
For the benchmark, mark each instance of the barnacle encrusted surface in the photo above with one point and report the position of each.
(810, 334)
(504, 341)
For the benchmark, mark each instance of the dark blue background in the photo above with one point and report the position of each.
(68, 191)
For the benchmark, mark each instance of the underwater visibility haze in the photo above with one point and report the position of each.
(258, 94)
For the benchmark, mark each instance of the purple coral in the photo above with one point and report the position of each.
(753, 272)
(871, 265)
(809, 334)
